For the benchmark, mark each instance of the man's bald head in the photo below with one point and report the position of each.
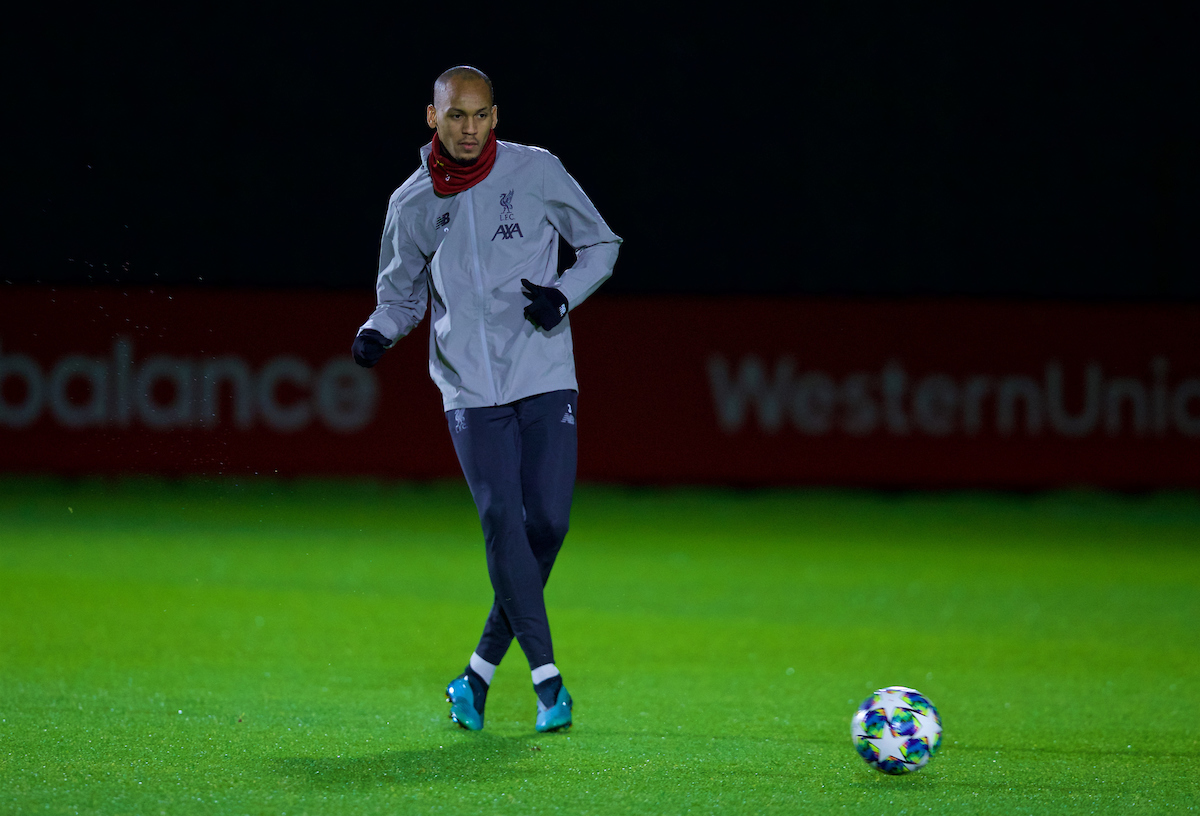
(463, 112)
(460, 73)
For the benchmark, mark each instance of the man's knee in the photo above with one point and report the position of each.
(547, 526)
(500, 521)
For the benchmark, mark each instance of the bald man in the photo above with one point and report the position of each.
(473, 235)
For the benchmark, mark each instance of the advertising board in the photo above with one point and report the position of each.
(748, 391)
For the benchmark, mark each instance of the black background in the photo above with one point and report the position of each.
(860, 149)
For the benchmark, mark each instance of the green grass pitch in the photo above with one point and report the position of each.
(281, 648)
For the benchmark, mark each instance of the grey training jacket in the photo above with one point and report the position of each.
(467, 254)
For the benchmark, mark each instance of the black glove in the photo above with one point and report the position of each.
(368, 347)
(548, 306)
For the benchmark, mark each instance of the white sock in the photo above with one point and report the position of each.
(544, 672)
(482, 668)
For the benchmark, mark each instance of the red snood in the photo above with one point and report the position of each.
(450, 177)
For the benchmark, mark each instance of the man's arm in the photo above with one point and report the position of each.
(572, 213)
(401, 291)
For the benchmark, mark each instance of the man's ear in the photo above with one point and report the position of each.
(431, 117)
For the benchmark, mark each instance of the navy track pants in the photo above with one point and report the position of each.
(519, 460)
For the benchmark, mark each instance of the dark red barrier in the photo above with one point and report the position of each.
(750, 391)
(902, 394)
(196, 381)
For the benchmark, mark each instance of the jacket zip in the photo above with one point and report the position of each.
(478, 270)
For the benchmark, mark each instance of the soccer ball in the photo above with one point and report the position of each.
(896, 730)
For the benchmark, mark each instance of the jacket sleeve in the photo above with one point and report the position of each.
(576, 219)
(401, 290)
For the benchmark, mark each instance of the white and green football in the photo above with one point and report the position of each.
(896, 730)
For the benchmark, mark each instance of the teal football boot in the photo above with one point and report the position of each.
(557, 715)
(467, 694)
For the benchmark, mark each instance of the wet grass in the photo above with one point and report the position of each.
(280, 647)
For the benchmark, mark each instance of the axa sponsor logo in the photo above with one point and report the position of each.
(164, 392)
(506, 231)
(1071, 403)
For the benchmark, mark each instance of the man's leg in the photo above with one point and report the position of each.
(488, 443)
(548, 463)
(548, 458)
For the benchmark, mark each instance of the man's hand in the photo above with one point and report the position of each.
(368, 347)
(548, 306)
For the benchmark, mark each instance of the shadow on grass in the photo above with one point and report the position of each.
(922, 782)
(482, 757)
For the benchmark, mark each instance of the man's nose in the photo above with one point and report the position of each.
(471, 125)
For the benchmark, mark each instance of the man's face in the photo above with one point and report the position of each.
(463, 114)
